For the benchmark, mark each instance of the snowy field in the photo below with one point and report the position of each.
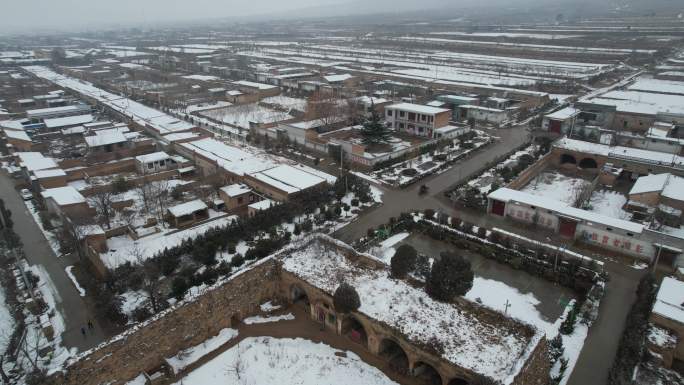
(554, 185)
(266, 360)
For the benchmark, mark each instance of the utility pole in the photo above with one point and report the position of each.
(506, 306)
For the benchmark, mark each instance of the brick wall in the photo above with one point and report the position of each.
(144, 347)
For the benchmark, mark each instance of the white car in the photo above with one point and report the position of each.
(26, 194)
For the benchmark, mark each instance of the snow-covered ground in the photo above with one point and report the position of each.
(72, 277)
(266, 360)
(124, 249)
(554, 185)
(609, 203)
(49, 236)
(6, 322)
(262, 320)
(191, 355)
(242, 115)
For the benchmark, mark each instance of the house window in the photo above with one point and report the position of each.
(401, 114)
(423, 118)
(389, 112)
(412, 116)
(150, 166)
(251, 198)
(240, 200)
(630, 234)
(609, 229)
(401, 126)
(162, 163)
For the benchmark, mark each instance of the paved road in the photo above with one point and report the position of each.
(38, 252)
(601, 343)
(396, 201)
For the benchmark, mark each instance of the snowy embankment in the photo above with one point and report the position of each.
(189, 356)
(262, 320)
(72, 277)
(266, 360)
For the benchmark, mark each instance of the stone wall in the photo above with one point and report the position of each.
(144, 348)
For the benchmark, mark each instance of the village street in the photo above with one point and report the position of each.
(69, 303)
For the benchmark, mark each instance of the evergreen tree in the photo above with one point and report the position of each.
(346, 299)
(403, 261)
(374, 130)
(450, 277)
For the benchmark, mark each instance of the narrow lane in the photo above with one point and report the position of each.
(38, 252)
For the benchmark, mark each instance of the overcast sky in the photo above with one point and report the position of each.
(24, 15)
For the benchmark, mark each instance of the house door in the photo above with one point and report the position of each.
(555, 126)
(567, 228)
(498, 208)
(321, 315)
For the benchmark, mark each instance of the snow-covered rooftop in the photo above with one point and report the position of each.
(64, 196)
(68, 121)
(417, 108)
(260, 86)
(18, 135)
(263, 205)
(235, 190)
(153, 157)
(491, 346)
(563, 114)
(658, 86)
(143, 115)
(288, 178)
(52, 173)
(337, 78)
(670, 300)
(232, 159)
(619, 152)
(187, 208)
(105, 138)
(36, 161)
(670, 186)
(510, 195)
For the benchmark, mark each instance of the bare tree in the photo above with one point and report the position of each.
(103, 204)
(145, 191)
(151, 284)
(326, 109)
(73, 233)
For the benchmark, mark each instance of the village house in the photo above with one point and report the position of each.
(284, 181)
(237, 196)
(187, 214)
(67, 201)
(155, 162)
(416, 119)
(662, 192)
(561, 122)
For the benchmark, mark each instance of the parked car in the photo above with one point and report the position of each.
(26, 194)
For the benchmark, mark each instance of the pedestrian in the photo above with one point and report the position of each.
(83, 332)
(90, 325)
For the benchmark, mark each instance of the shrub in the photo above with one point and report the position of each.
(231, 248)
(482, 232)
(403, 261)
(307, 226)
(555, 349)
(237, 260)
(429, 214)
(450, 276)
(224, 268)
(346, 299)
(179, 286)
(355, 202)
(370, 232)
(120, 185)
(141, 313)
